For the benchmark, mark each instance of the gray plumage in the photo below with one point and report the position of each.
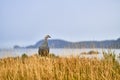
(44, 48)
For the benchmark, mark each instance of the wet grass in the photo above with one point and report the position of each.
(59, 68)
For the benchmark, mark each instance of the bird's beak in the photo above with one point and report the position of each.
(49, 36)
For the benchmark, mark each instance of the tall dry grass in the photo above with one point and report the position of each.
(61, 68)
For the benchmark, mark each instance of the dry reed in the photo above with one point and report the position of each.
(61, 68)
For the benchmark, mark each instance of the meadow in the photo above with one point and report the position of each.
(60, 68)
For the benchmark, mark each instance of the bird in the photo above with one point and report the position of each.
(44, 48)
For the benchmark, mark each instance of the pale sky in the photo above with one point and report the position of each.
(24, 22)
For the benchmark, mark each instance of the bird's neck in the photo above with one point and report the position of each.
(46, 41)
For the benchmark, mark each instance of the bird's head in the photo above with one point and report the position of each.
(47, 36)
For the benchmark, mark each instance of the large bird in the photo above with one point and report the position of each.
(44, 48)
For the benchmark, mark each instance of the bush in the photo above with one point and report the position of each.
(53, 55)
(24, 55)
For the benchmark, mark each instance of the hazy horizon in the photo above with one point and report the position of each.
(24, 22)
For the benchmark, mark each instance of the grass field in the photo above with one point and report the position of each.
(59, 68)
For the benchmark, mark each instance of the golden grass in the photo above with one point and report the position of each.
(62, 68)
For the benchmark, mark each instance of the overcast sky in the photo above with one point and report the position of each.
(25, 22)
